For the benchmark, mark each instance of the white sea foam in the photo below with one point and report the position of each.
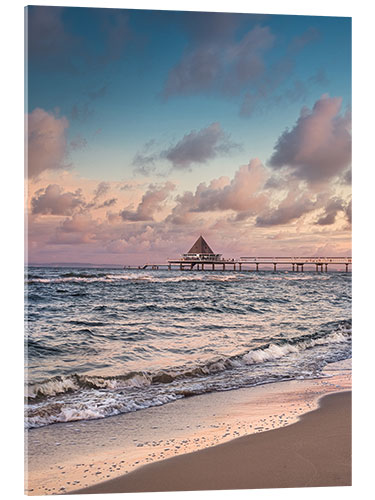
(137, 380)
(152, 278)
(92, 408)
(268, 354)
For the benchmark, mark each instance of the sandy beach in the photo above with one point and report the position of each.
(315, 451)
(102, 455)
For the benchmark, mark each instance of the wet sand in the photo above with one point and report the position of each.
(315, 451)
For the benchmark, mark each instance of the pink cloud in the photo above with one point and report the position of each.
(152, 201)
(319, 146)
(296, 203)
(196, 147)
(78, 229)
(52, 200)
(46, 146)
(102, 189)
(242, 193)
(333, 207)
(200, 146)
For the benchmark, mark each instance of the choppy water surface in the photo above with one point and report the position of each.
(107, 341)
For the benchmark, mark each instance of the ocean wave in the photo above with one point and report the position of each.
(109, 396)
(37, 348)
(83, 275)
(113, 278)
(34, 297)
(86, 323)
(262, 354)
(72, 383)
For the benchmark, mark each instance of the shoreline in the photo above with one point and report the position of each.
(63, 458)
(312, 452)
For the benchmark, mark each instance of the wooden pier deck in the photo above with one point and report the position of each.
(248, 263)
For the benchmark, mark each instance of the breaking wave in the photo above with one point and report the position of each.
(80, 397)
(111, 278)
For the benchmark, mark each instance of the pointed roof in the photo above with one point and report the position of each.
(201, 246)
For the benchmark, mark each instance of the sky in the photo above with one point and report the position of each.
(146, 129)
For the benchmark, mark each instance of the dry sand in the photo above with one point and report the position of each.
(315, 451)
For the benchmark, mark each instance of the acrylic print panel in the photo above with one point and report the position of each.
(188, 279)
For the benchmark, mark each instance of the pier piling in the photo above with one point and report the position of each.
(297, 263)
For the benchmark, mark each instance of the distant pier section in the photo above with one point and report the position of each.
(201, 258)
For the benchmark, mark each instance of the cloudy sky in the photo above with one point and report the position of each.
(146, 129)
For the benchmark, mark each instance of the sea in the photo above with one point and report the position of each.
(101, 342)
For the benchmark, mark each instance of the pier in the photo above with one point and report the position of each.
(201, 258)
